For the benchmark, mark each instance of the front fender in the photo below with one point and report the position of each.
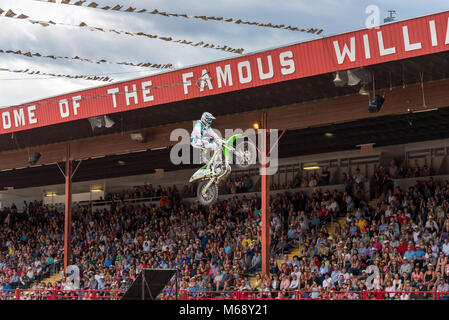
(202, 173)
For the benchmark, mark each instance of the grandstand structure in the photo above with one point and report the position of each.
(292, 88)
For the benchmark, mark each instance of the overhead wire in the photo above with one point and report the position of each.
(201, 79)
(201, 44)
(134, 64)
(121, 8)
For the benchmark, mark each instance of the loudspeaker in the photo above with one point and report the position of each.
(376, 104)
(34, 158)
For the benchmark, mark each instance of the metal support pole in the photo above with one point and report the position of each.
(143, 284)
(265, 198)
(68, 209)
(176, 284)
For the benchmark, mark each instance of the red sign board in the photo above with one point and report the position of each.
(400, 40)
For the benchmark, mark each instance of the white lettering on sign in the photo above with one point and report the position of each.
(409, 46)
(205, 80)
(246, 72)
(225, 76)
(433, 33)
(447, 32)
(247, 77)
(262, 74)
(31, 116)
(288, 66)
(413, 41)
(64, 108)
(146, 91)
(18, 117)
(186, 82)
(367, 47)
(113, 91)
(6, 120)
(382, 50)
(132, 94)
(76, 105)
(350, 52)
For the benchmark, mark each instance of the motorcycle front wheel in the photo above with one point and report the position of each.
(208, 197)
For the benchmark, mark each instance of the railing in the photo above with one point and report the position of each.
(56, 294)
(101, 203)
(304, 295)
(170, 294)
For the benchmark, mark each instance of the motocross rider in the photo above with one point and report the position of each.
(203, 136)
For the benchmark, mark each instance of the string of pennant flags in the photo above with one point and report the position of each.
(162, 86)
(121, 8)
(37, 54)
(38, 72)
(10, 14)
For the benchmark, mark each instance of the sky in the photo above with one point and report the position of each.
(333, 16)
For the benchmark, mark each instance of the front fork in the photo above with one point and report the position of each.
(215, 179)
(209, 183)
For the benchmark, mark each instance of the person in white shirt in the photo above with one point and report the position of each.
(445, 248)
(397, 282)
(146, 246)
(296, 272)
(416, 233)
(294, 283)
(313, 183)
(275, 283)
(327, 282)
(333, 206)
(390, 288)
(431, 223)
(358, 178)
(346, 274)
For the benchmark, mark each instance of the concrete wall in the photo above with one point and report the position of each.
(406, 183)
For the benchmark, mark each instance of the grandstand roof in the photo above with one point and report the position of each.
(300, 92)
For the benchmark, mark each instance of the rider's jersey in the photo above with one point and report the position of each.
(200, 133)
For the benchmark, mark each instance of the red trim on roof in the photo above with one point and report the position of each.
(396, 41)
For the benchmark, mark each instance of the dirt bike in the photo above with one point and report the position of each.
(218, 167)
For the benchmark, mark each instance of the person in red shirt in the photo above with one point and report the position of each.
(402, 247)
(322, 213)
(403, 218)
(378, 294)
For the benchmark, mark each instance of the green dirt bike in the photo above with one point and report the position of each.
(218, 167)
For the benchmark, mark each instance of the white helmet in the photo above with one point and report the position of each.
(207, 118)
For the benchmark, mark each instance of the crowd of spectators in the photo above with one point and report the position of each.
(233, 185)
(380, 182)
(314, 180)
(382, 179)
(405, 236)
(236, 185)
(214, 248)
(29, 246)
(146, 191)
